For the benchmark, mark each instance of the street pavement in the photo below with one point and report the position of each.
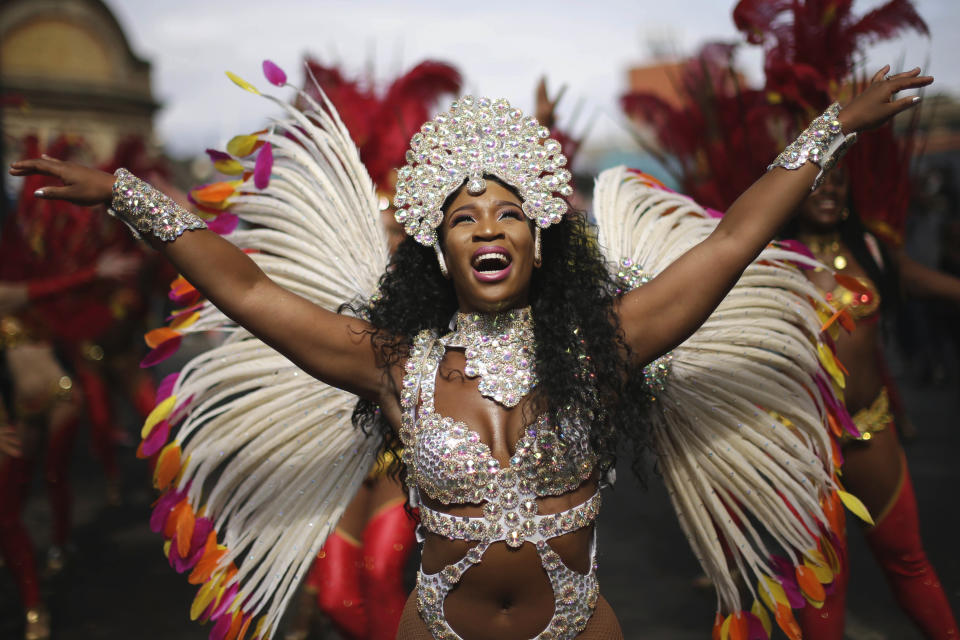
(117, 584)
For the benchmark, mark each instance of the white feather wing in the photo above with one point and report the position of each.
(730, 463)
(267, 453)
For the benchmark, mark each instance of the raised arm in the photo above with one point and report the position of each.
(666, 311)
(329, 346)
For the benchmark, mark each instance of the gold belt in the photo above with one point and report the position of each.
(874, 418)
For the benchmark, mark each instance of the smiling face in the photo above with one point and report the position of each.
(823, 209)
(488, 245)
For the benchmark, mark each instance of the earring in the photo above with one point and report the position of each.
(537, 259)
(845, 213)
(441, 261)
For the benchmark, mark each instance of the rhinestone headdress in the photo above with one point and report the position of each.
(478, 137)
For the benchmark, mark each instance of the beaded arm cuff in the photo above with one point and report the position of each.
(822, 143)
(147, 211)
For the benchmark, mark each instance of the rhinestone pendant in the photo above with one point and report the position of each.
(499, 349)
(476, 186)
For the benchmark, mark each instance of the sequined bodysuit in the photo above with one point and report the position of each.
(447, 461)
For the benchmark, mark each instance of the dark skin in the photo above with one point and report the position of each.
(872, 469)
(507, 596)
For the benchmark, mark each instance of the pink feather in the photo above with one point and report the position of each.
(156, 439)
(263, 167)
(161, 511)
(274, 74)
(225, 223)
(163, 351)
(216, 156)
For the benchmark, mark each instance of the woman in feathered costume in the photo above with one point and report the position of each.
(809, 50)
(505, 356)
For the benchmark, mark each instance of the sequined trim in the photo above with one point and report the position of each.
(513, 520)
(860, 304)
(629, 276)
(147, 211)
(13, 333)
(479, 136)
(575, 594)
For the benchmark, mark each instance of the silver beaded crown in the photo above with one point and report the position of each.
(478, 136)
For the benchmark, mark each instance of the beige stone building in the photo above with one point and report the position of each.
(66, 67)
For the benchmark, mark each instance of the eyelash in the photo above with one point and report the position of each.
(511, 213)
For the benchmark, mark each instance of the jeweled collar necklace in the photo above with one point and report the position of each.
(499, 348)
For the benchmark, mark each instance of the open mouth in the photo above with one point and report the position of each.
(491, 263)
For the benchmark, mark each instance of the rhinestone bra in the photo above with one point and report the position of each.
(448, 462)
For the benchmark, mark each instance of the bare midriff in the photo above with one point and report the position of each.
(507, 595)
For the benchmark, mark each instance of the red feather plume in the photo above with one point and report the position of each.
(718, 138)
(382, 126)
(810, 47)
(405, 106)
(722, 136)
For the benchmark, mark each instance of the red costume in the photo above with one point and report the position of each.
(53, 248)
(48, 246)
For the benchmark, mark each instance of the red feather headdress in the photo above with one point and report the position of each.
(382, 126)
(723, 135)
(811, 48)
(718, 139)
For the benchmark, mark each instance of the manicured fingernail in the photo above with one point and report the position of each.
(38, 193)
(916, 99)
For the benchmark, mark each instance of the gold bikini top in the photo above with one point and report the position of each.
(857, 295)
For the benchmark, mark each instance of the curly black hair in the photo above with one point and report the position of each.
(582, 361)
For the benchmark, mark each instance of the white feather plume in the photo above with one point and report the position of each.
(270, 454)
(728, 463)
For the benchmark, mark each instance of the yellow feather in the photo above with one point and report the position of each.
(761, 612)
(725, 629)
(205, 596)
(185, 321)
(830, 364)
(856, 507)
(160, 412)
(243, 84)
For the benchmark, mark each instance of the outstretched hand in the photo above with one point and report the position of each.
(81, 185)
(877, 103)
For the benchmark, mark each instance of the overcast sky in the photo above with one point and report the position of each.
(501, 47)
